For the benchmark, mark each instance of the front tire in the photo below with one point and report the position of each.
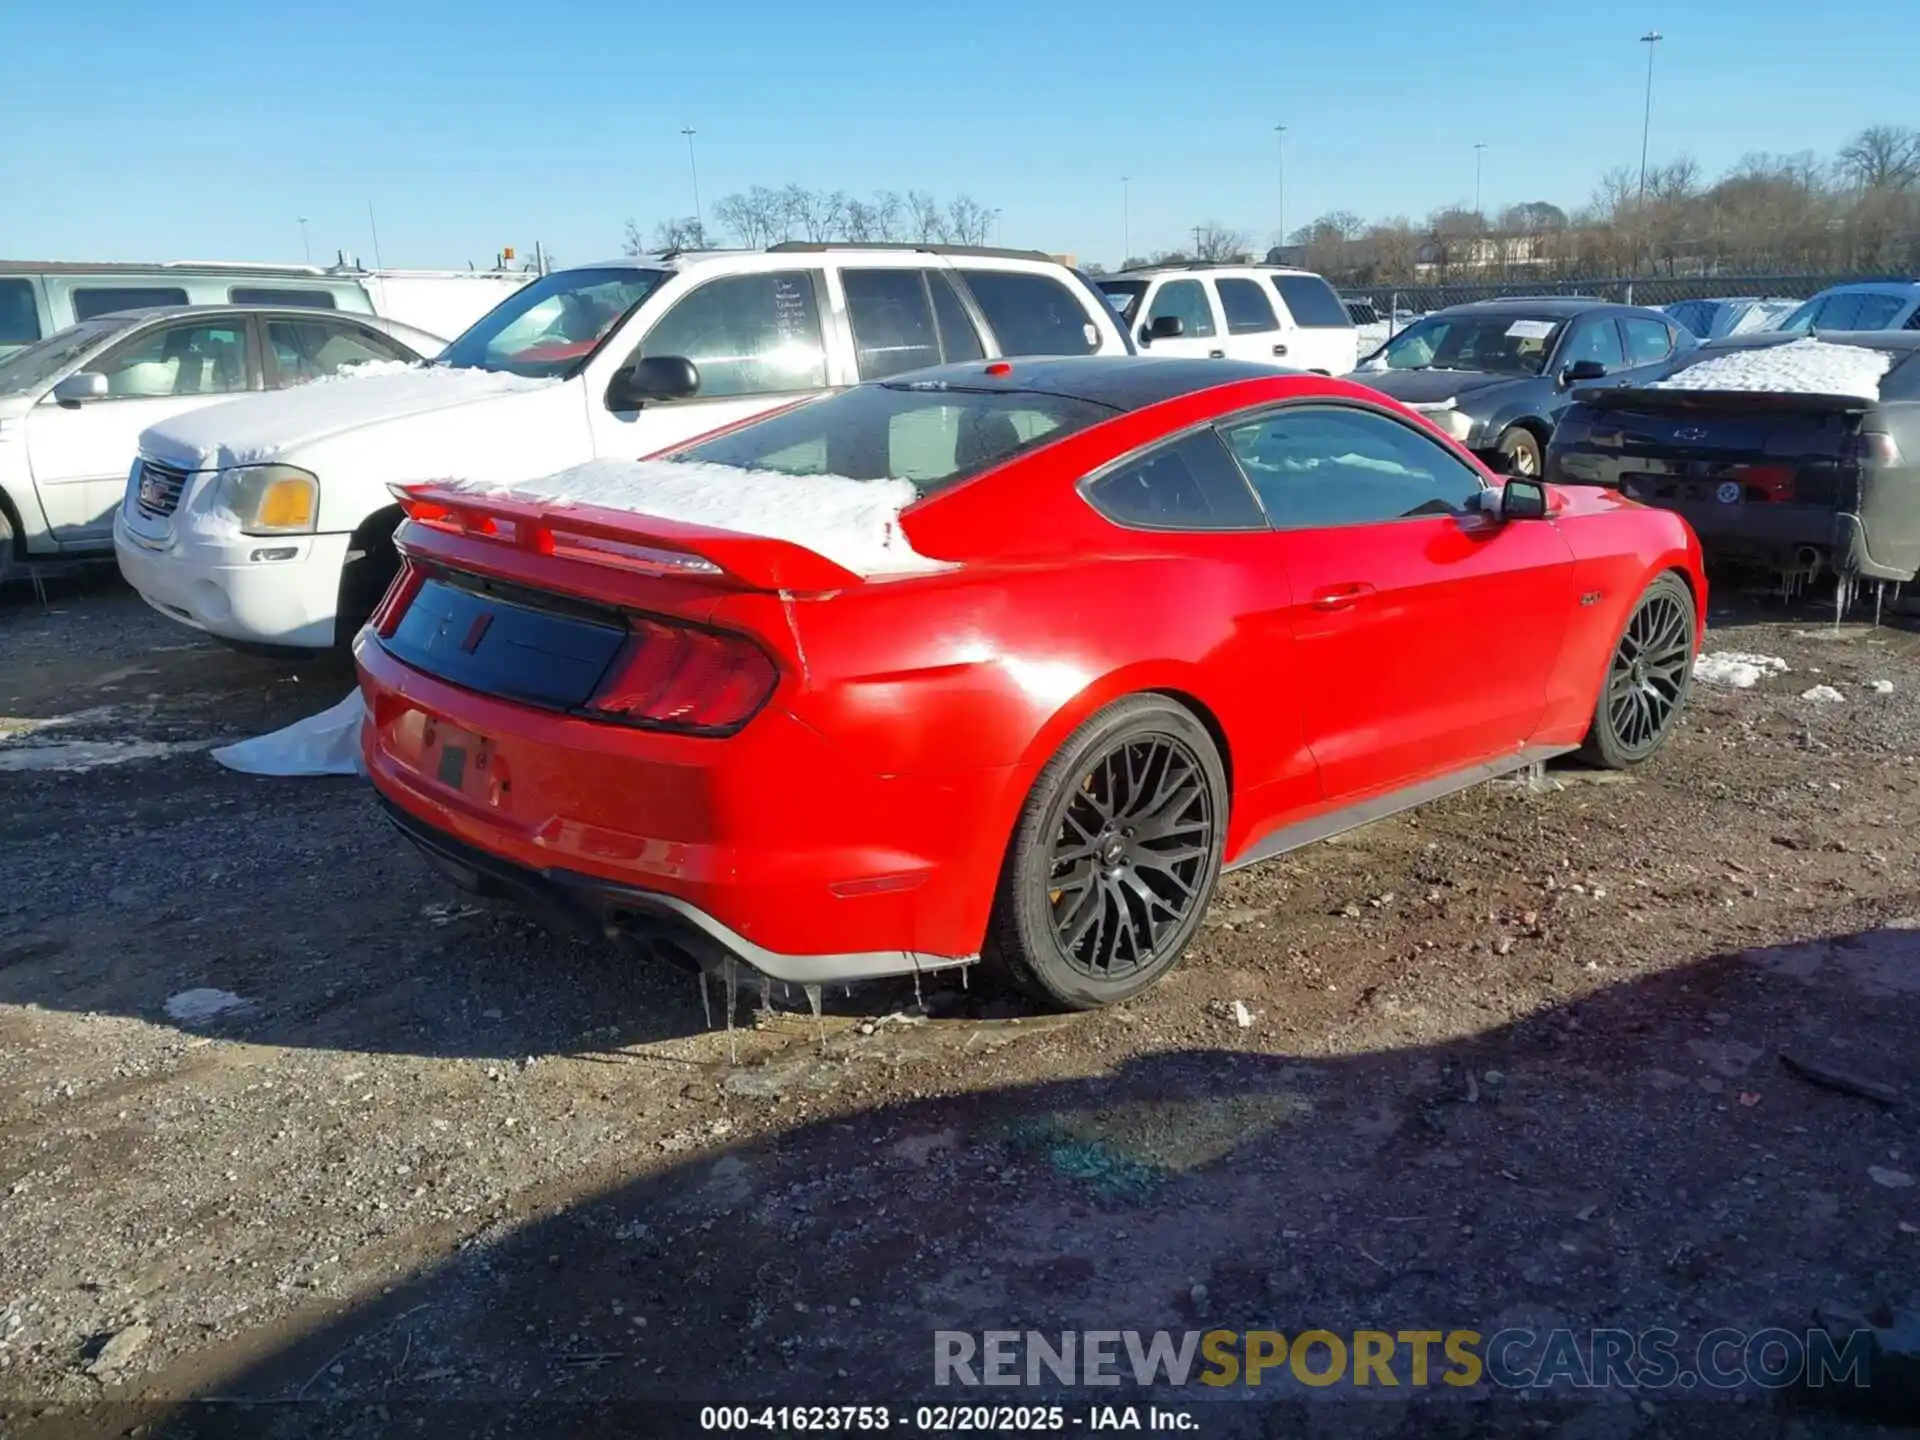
(1519, 448)
(1114, 858)
(1647, 678)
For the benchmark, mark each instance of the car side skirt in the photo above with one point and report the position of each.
(1390, 802)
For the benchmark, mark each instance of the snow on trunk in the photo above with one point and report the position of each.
(1802, 367)
(854, 523)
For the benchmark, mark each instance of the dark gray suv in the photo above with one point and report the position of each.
(1496, 374)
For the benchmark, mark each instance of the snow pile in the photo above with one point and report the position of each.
(261, 427)
(323, 744)
(1883, 687)
(1736, 668)
(1823, 694)
(193, 1006)
(1801, 367)
(854, 523)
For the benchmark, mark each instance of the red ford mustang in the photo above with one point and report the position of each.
(1177, 617)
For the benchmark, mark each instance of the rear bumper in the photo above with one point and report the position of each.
(771, 845)
(583, 902)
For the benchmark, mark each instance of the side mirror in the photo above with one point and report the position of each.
(1163, 327)
(1523, 500)
(80, 386)
(1583, 370)
(655, 377)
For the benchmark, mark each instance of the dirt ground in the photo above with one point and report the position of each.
(1511, 1060)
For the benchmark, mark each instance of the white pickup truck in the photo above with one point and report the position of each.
(269, 523)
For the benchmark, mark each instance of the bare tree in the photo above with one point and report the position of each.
(635, 240)
(1882, 157)
(926, 218)
(685, 233)
(1214, 241)
(756, 217)
(968, 222)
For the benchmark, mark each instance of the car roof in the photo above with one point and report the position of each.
(160, 312)
(1174, 267)
(1560, 307)
(1122, 382)
(1903, 288)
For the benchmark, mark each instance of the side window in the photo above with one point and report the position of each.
(300, 299)
(1320, 466)
(1187, 301)
(306, 350)
(19, 316)
(1032, 314)
(1648, 341)
(747, 334)
(1313, 302)
(92, 300)
(1247, 309)
(1191, 484)
(186, 359)
(1594, 338)
(1858, 310)
(906, 319)
(1913, 321)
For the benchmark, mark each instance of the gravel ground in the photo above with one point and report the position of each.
(1511, 1060)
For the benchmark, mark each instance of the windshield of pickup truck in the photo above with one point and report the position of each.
(1491, 344)
(551, 326)
(29, 369)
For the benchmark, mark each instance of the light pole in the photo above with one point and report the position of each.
(1126, 219)
(1281, 131)
(1479, 153)
(1652, 41)
(303, 240)
(693, 167)
(999, 235)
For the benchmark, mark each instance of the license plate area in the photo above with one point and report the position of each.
(464, 763)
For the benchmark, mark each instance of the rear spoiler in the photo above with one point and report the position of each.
(623, 539)
(1624, 397)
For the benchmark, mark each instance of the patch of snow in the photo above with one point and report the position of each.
(77, 755)
(264, 426)
(1242, 1016)
(1823, 694)
(215, 522)
(1801, 367)
(1736, 668)
(323, 744)
(1882, 687)
(854, 523)
(191, 1006)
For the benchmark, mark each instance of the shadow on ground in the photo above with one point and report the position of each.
(1638, 1158)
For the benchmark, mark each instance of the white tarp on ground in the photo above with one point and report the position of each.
(854, 523)
(1800, 367)
(323, 744)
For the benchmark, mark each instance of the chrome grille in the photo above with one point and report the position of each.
(157, 490)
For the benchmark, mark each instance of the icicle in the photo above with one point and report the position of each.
(918, 1003)
(766, 997)
(1879, 599)
(965, 970)
(730, 983)
(706, 1000)
(819, 1016)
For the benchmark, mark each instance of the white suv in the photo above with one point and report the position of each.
(1263, 313)
(269, 523)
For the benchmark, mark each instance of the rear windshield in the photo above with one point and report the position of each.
(928, 431)
(1313, 303)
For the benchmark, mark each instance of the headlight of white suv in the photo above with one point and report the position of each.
(270, 499)
(1456, 423)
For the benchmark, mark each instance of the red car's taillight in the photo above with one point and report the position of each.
(386, 618)
(678, 678)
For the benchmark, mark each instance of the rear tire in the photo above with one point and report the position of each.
(9, 547)
(1648, 676)
(1519, 447)
(1114, 858)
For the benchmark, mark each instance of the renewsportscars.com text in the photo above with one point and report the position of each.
(1512, 1359)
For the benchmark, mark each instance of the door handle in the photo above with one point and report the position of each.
(1339, 597)
(1216, 354)
(1279, 349)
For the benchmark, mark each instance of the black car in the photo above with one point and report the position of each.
(1496, 374)
(1800, 469)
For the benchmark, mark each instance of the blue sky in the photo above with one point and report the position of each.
(202, 129)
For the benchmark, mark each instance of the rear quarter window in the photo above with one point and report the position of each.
(1313, 303)
(299, 299)
(1033, 314)
(92, 300)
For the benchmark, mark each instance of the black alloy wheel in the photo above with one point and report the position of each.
(1115, 858)
(1648, 677)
